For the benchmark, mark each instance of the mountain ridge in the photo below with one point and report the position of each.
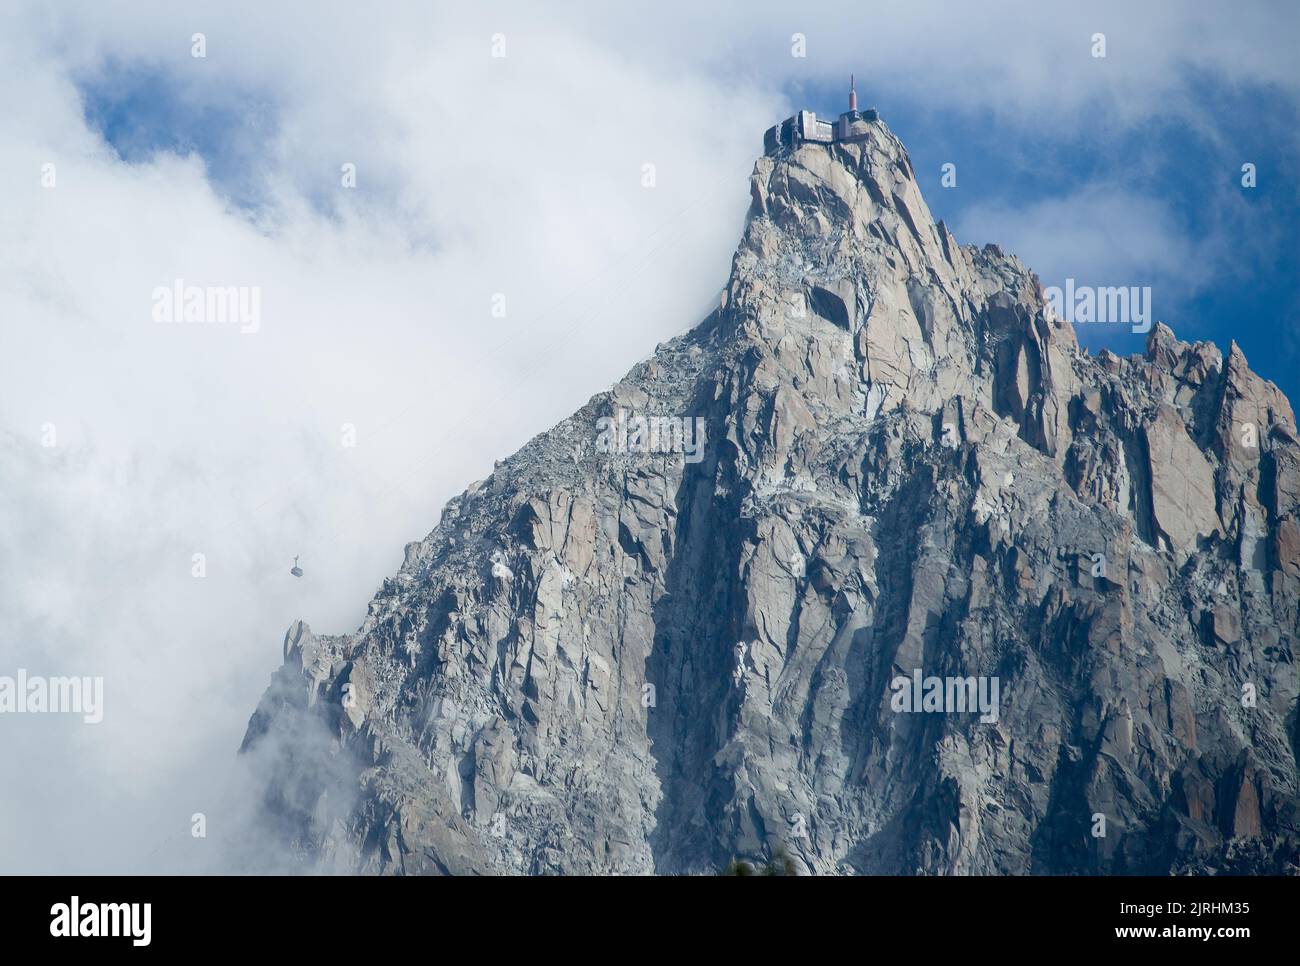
(908, 465)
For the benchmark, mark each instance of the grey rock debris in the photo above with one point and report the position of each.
(909, 463)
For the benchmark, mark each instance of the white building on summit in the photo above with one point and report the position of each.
(852, 125)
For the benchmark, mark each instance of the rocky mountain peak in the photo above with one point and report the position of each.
(700, 618)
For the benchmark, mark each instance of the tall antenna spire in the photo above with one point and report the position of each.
(853, 95)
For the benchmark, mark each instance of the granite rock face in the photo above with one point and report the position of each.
(612, 656)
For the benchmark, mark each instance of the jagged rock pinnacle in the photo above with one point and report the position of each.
(905, 470)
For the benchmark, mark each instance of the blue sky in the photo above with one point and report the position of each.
(142, 110)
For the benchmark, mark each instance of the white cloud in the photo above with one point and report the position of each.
(1100, 234)
(521, 177)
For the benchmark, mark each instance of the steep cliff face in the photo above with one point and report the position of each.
(610, 660)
